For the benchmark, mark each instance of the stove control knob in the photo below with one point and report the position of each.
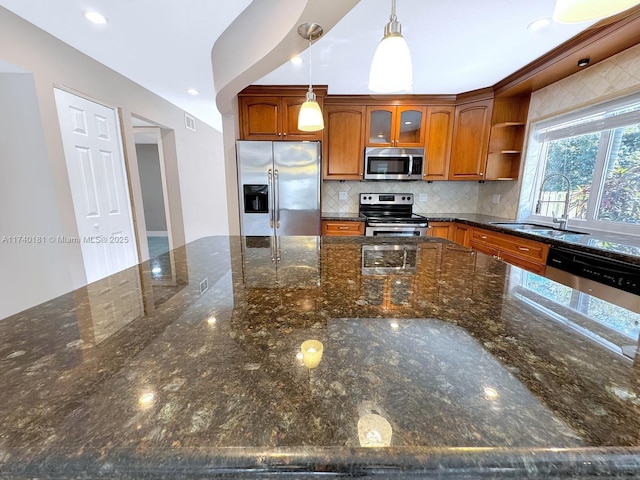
(409, 197)
(403, 198)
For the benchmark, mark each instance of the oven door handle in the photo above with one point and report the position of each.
(398, 225)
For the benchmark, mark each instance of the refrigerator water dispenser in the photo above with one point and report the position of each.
(256, 198)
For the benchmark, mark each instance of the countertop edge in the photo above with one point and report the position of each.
(392, 462)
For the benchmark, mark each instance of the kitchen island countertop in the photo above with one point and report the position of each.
(445, 364)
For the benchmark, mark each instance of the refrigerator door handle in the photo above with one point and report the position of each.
(270, 194)
(273, 245)
(276, 197)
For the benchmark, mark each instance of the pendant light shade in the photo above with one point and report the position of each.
(310, 117)
(391, 68)
(578, 11)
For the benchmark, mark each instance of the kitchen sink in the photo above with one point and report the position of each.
(522, 226)
(534, 228)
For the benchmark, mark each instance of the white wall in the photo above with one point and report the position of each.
(33, 166)
(27, 190)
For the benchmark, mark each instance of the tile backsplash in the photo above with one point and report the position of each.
(441, 197)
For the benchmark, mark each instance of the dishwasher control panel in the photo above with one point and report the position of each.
(609, 271)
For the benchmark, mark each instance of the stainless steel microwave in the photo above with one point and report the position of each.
(393, 163)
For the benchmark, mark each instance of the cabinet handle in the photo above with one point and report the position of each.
(284, 134)
(481, 174)
(523, 249)
(483, 237)
(343, 227)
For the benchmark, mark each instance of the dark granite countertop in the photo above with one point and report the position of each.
(188, 367)
(343, 217)
(617, 246)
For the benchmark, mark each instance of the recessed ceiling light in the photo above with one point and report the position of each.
(95, 17)
(192, 91)
(539, 24)
(297, 60)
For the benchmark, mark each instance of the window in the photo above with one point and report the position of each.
(589, 160)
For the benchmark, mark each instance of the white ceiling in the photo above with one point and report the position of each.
(165, 45)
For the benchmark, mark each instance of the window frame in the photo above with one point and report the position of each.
(598, 118)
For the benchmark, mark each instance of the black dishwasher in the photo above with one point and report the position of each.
(615, 273)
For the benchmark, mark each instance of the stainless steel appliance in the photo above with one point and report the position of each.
(389, 259)
(391, 215)
(393, 163)
(610, 279)
(287, 261)
(279, 186)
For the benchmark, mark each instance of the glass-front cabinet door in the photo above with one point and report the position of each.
(410, 126)
(395, 126)
(380, 126)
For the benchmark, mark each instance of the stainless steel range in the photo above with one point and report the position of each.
(391, 215)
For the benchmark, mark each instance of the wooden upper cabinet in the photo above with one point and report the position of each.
(438, 138)
(261, 118)
(395, 126)
(290, 112)
(274, 116)
(471, 128)
(343, 142)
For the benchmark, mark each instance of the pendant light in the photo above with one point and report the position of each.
(310, 116)
(578, 11)
(391, 69)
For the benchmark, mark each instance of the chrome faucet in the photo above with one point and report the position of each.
(562, 221)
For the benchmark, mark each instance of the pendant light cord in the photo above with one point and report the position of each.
(310, 88)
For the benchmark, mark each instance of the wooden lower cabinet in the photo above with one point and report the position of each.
(440, 230)
(461, 234)
(330, 227)
(521, 252)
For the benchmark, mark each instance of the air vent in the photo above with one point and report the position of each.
(189, 122)
(204, 285)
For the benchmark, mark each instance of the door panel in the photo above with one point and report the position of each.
(298, 187)
(438, 142)
(98, 182)
(255, 159)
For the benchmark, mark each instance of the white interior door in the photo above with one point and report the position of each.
(95, 164)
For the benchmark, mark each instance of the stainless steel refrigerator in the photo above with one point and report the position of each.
(279, 186)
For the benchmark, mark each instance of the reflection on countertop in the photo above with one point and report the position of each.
(451, 363)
